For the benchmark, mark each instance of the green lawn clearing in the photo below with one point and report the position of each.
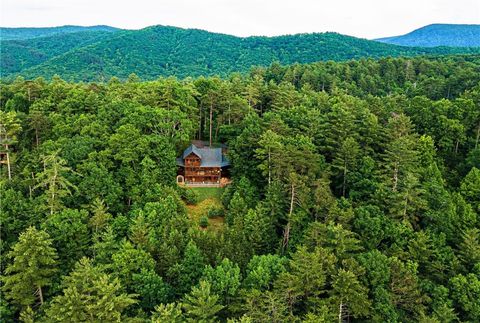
(208, 197)
(208, 193)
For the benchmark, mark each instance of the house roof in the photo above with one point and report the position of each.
(210, 157)
(192, 149)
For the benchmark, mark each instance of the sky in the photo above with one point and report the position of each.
(361, 18)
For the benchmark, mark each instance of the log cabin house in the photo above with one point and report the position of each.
(202, 165)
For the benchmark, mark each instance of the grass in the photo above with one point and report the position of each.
(208, 193)
(207, 197)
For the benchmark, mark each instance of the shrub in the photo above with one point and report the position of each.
(203, 222)
(190, 196)
(214, 211)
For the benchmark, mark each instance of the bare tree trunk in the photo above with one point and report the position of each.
(8, 166)
(292, 198)
(269, 168)
(30, 186)
(40, 295)
(340, 312)
(405, 206)
(211, 119)
(286, 237)
(229, 114)
(217, 128)
(286, 233)
(343, 316)
(200, 124)
(37, 140)
(53, 192)
(478, 136)
(395, 177)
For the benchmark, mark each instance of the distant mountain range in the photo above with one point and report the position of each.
(100, 52)
(439, 35)
(27, 32)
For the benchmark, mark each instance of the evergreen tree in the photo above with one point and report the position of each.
(400, 153)
(470, 188)
(469, 248)
(345, 160)
(188, 271)
(201, 305)
(100, 215)
(9, 129)
(53, 179)
(171, 312)
(349, 296)
(270, 149)
(307, 276)
(465, 291)
(69, 231)
(32, 268)
(267, 307)
(89, 295)
(263, 270)
(224, 280)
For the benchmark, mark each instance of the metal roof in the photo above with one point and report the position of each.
(192, 149)
(210, 157)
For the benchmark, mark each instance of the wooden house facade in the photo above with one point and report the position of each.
(202, 165)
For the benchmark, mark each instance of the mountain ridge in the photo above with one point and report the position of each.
(22, 33)
(166, 50)
(453, 35)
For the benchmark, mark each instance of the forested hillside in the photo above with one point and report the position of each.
(439, 35)
(164, 51)
(23, 33)
(355, 196)
(17, 55)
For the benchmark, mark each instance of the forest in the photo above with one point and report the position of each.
(101, 52)
(355, 196)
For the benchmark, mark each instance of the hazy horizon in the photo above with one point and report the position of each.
(368, 19)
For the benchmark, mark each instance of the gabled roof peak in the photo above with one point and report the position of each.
(210, 157)
(192, 149)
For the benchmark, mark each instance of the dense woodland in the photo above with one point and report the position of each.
(355, 196)
(99, 53)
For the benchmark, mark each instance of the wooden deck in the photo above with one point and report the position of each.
(223, 182)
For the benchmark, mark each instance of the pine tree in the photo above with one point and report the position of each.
(469, 248)
(470, 188)
(89, 295)
(100, 215)
(171, 313)
(9, 128)
(224, 279)
(270, 149)
(201, 305)
(27, 315)
(345, 160)
(349, 296)
(306, 280)
(53, 179)
(267, 306)
(32, 269)
(187, 272)
(400, 153)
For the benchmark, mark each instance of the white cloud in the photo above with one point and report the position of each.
(367, 18)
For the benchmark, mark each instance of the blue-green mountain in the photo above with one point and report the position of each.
(439, 35)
